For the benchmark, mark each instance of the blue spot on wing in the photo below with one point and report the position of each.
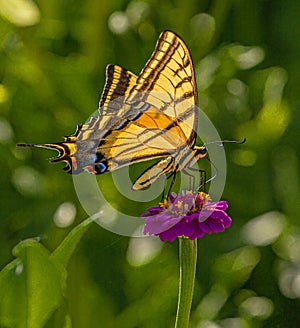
(100, 167)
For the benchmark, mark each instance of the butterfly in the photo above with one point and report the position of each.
(150, 116)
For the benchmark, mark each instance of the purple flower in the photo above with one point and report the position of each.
(187, 214)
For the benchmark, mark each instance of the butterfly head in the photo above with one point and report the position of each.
(200, 152)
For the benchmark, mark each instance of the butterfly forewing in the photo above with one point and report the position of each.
(169, 75)
(119, 83)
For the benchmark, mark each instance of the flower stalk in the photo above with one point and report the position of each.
(187, 263)
(187, 216)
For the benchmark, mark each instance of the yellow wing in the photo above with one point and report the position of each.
(151, 135)
(168, 83)
(119, 83)
(141, 118)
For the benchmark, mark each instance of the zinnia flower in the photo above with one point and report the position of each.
(187, 214)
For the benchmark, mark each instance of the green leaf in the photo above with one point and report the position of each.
(65, 250)
(31, 287)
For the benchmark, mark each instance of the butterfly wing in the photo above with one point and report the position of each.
(78, 149)
(149, 116)
(159, 113)
(168, 83)
(151, 135)
(154, 172)
(119, 83)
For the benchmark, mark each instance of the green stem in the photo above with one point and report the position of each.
(187, 262)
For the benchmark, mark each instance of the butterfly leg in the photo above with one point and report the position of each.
(173, 176)
(191, 179)
(203, 181)
(163, 193)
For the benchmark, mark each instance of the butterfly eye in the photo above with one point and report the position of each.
(203, 150)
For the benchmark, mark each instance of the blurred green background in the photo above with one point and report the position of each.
(246, 54)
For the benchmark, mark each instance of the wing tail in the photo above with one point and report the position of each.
(65, 151)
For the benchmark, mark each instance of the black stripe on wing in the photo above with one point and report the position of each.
(119, 82)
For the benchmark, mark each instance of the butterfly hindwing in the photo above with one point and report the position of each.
(142, 139)
(154, 172)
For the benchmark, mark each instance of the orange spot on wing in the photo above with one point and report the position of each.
(90, 169)
(74, 163)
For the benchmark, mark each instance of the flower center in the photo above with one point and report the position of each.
(185, 204)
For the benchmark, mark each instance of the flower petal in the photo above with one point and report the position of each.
(152, 210)
(186, 214)
(205, 227)
(198, 231)
(185, 229)
(222, 216)
(215, 225)
(160, 222)
(221, 205)
(204, 215)
(190, 217)
(169, 235)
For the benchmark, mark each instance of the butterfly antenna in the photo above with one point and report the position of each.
(225, 141)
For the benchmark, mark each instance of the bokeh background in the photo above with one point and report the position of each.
(246, 54)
